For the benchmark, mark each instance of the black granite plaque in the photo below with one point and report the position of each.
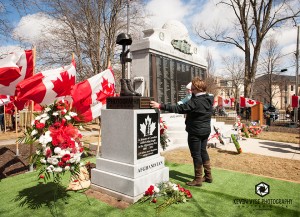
(128, 102)
(147, 135)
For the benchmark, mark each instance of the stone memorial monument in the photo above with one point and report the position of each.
(166, 60)
(130, 159)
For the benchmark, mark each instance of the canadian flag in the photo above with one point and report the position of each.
(90, 95)
(46, 86)
(224, 102)
(246, 102)
(14, 68)
(4, 99)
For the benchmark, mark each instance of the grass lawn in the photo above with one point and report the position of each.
(22, 195)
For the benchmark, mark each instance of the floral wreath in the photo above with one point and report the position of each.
(58, 142)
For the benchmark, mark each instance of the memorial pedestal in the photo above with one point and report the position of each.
(130, 160)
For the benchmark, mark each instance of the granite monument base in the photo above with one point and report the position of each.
(130, 159)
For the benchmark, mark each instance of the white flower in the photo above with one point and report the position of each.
(65, 110)
(57, 150)
(54, 161)
(43, 161)
(32, 123)
(156, 189)
(72, 160)
(55, 114)
(80, 127)
(62, 152)
(67, 168)
(44, 115)
(43, 121)
(50, 168)
(47, 109)
(49, 160)
(175, 187)
(38, 152)
(57, 169)
(37, 118)
(34, 132)
(68, 117)
(44, 139)
(72, 114)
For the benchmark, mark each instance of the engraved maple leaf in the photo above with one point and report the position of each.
(63, 87)
(150, 124)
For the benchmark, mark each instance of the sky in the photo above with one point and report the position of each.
(189, 12)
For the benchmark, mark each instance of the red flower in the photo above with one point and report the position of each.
(48, 152)
(42, 176)
(150, 190)
(40, 125)
(154, 200)
(76, 118)
(81, 149)
(66, 157)
(61, 164)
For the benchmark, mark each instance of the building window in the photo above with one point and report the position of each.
(292, 87)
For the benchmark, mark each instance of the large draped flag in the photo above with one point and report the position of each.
(14, 68)
(246, 102)
(47, 86)
(224, 102)
(89, 96)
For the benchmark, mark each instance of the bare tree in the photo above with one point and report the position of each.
(4, 22)
(270, 84)
(235, 66)
(86, 28)
(255, 18)
(210, 79)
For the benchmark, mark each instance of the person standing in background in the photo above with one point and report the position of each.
(188, 94)
(198, 112)
(2, 123)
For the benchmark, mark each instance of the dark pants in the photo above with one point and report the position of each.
(2, 121)
(197, 145)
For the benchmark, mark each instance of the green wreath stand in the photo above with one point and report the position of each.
(236, 143)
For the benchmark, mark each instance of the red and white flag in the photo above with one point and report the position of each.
(224, 102)
(47, 86)
(246, 102)
(14, 68)
(90, 95)
(4, 99)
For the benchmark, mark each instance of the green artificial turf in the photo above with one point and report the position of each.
(23, 195)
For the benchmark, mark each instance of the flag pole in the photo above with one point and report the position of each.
(99, 135)
(99, 139)
(16, 128)
(31, 112)
(4, 120)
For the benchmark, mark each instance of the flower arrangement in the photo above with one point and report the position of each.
(170, 192)
(164, 139)
(58, 141)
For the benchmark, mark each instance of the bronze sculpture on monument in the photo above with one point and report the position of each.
(129, 98)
